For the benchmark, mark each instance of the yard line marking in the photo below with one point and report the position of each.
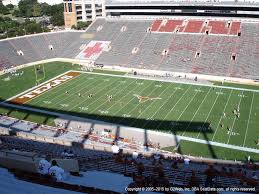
(196, 92)
(109, 91)
(130, 99)
(35, 87)
(196, 111)
(126, 94)
(88, 85)
(173, 81)
(161, 107)
(174, 105)
(69, 96)
(249, 119)
(71, 89)
(151, 103)
(116, 91)
(95, 93)
(133, 98)
(65, 99)
(235, 118)
(122, 96)
(208, 115)
(37, 100)
(222, 115)
(112, 89)
(155, 88)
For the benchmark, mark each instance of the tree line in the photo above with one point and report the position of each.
(31, 8)
(10, 26)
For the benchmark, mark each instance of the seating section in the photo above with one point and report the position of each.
(95, 154)
(122, 43)
(182, 48)
(5, 63)
(197, 26)
(93, 50)
(55, 150)
(65, 134)
(36, 47)
(215, 52)
(235, 28)
(10, 184)
(186, 48)
(155, 26)
(96, 49)
(170, 25)
(173, 167)
(216, 27)
(194, 26)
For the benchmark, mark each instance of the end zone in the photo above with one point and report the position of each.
(22, 99)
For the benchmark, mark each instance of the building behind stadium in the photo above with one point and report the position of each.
(88, 10)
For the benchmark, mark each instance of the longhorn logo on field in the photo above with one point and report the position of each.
(142, 99)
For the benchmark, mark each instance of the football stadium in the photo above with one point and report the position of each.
(152, 97)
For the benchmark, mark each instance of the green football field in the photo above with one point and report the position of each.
(188, 110)
(183, 109)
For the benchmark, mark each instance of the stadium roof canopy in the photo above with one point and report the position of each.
(251, 3)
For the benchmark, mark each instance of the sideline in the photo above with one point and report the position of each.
(171, 81)
(132, 77)
(69, 117)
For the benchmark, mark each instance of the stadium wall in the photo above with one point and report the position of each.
(142, 71)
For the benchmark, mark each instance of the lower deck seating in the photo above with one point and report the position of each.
(173, 168)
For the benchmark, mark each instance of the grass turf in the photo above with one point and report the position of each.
(182, 109)
(109, 72)
(18, 84)
(203, 150)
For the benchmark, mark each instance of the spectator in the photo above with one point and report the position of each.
(210, 172)
(64, 153)
(67, 154)
(139, 180)
(223, 170)
(43, 167)
(140, 168)
(162, 181)
(134, 155)
(157, 156)
(194, 182)
(230, 172)
(119, 157)
(174, 165)
(160, 163)
(239, 173)
(186, 161)
(254, 176)
(155, 169)
(115, 149)
(158, 146)
(56, 172)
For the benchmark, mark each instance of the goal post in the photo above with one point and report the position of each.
(39, 72)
